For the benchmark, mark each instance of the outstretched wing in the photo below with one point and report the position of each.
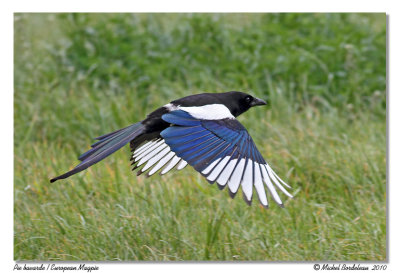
(222, 151)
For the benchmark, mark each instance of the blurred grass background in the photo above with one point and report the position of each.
(78, 76)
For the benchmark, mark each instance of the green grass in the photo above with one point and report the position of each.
(324, 131)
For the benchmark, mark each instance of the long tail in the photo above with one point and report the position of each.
(106, 145)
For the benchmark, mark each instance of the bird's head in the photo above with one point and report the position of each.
(239, 102)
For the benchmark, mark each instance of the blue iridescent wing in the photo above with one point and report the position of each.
(223, 152)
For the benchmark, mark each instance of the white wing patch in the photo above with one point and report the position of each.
(259, 185)
(211, 166)
(171, 164)
(208, 112)
(148, 150)
(247, 182)
(226, 173)
(157, 155)
(162, 162)
(218, 169)
(234, 181)
(247, 173)
(182, 164)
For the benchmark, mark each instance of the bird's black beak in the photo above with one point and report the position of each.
(257, 101)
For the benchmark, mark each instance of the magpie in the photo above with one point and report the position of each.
(200, 130)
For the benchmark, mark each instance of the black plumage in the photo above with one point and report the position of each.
(200, 130)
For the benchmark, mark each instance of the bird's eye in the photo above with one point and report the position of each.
(248, 99)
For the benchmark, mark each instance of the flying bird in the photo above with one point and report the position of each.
(200, 130)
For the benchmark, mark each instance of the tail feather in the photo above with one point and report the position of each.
(101, 143)
(109, 144)
(112, 133)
